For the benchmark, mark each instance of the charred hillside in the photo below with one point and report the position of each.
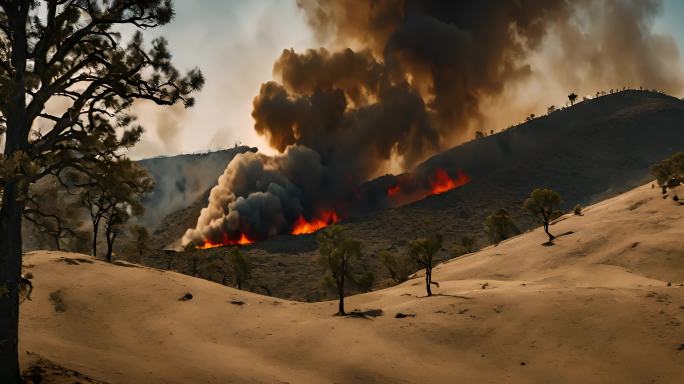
(593, 150)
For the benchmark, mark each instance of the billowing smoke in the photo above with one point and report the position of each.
(260, 196)
(400, 79)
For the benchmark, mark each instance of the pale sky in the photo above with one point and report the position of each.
(235, 44)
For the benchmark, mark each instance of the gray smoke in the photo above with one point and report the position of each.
(260, 196)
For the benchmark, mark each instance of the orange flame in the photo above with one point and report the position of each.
(243, 240)
(302, 226)
(443, 182)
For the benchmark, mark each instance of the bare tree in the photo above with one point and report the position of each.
(70, 50)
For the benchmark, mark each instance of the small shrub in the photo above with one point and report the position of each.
(669, 172)
(577, 210)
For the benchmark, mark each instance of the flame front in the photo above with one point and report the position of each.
(302, 226)
(243, 240)
(442, 182)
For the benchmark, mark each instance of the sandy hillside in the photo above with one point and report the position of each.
(594, 308)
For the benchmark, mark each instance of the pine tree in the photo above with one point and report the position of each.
(70, 51)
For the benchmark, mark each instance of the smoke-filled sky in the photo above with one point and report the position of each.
(341, 91)
(239, 45)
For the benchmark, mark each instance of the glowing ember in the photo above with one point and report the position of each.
(243, 240)
(302, 226)
(393, 190)
(442, 182)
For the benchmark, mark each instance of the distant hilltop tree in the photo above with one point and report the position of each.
(669, 172)
(573, 98)
(544, 204)
(500, 226)
(70, 54)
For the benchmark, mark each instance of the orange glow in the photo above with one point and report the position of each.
(243, 240)
(393, 190)
(442, 182)
(302, 226)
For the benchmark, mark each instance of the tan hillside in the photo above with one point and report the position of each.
(594, 308)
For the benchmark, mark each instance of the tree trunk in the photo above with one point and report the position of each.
(10, 271)
(546, 229)
(16, 139)
(111, 236)
(340, 295)
(96, 228)
(428, 277)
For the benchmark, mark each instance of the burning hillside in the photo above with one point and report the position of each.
(260, 196)
(422, 76)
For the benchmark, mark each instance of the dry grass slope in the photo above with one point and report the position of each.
(604, 304)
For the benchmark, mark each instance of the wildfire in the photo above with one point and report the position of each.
(302, 226)
(243, 240)
(393, 190)
(442, 182)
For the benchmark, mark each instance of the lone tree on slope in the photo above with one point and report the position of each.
(572, 97)
(423, 251)
(337, 252)
(544, 204)
(71, 51)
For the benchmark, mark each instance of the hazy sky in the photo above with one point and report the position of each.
(235, 44)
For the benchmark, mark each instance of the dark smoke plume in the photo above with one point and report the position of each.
(401, 80)
(260, 196)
